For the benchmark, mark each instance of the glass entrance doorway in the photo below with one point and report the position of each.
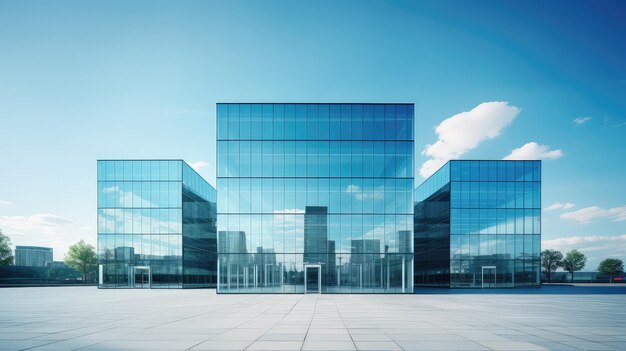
(142, 277)
(489, 277)
(312, 279)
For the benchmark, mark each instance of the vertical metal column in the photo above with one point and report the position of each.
(403, 275)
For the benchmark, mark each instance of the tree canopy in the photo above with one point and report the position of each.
(6, 254)
(550, 261)
(82, 257)
(611, 266)
(574, 261)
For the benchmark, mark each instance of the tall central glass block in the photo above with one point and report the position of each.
(315, 197)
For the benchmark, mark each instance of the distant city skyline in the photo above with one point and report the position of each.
(490, 80)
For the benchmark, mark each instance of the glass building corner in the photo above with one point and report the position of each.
(478, 225)
(156, 225)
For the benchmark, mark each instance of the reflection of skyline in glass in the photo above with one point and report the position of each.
(232, 242)
(473, 217)
(315, 234)
(159, 214)
(306, 181)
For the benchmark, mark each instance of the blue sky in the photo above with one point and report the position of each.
(82, 80)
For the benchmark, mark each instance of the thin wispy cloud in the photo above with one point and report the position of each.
(581, 120)
(5, 202)
(44, 221)
(465, 131)
(594, 213)
(560, 206)
(534, 151)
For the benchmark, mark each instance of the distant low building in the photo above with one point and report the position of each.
(583, 277)
(32, 256)
(57, 265)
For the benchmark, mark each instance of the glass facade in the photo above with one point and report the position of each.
(478, 224)
(32, 256)
(315, 197)
(156, 225)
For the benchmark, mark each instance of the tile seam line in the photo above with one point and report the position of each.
(265, 298)
(350, 334)
(284, 316)
(57, 341)
(310, 322)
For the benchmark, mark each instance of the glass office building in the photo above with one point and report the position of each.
(478, 225)
(315, 198)
(156, 225)
(32, 256)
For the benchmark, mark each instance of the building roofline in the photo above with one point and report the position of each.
(141, 159)
(319, 103)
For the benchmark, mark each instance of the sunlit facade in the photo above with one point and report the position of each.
(315, 198)
(156, 225)
(478, 225)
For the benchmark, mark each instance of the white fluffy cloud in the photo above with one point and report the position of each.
(560, 206)
(595, 247)
(590, 214)
(465, 131)
(197, 166)
(534, 151)
(581, 120)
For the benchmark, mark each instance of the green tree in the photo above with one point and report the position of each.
(611, 267)
(6, 254)
(574, 261)
(550, 261)
(82, 257)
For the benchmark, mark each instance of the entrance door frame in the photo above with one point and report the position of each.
(135, 268)
(482, 275)
(319, 277)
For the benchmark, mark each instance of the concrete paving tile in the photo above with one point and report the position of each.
(328, 337)
(590, 346)
(140, 345)
(327, 346)
(441, 346)
(377, 346)
(211, 345)
(275, 346)
(370, 337)
(283, 337)
(328, 331)
(512, 346)
(620, 345)
(555, 346)
(65, 345)
(21, 344)
(73, 317)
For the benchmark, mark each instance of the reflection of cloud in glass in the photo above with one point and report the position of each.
(375, 194)
(128, 197)
(289, 219)
(134, 220)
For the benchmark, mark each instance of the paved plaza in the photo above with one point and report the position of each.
(68, 318)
